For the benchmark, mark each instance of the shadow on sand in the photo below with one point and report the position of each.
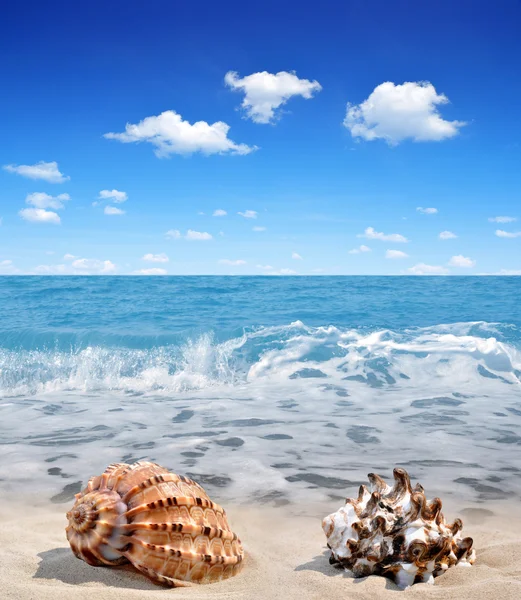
(320, 564)
(61, 564)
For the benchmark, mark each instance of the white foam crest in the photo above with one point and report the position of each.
(456, 352)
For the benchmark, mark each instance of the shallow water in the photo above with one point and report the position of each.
(273, 390)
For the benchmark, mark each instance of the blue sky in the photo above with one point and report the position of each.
(317, 181)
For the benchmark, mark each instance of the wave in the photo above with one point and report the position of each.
(378, 358)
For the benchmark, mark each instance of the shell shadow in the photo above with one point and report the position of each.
(61, 564)
(320, 564)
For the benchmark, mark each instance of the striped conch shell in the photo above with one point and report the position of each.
(162, 523)
(395, 532)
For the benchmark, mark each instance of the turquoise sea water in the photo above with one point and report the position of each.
(273, 389)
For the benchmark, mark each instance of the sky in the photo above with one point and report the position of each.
(356, 137)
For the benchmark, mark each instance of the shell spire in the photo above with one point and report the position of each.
(395, 532)
(164, 524)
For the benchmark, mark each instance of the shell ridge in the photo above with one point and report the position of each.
(164, 524)
(395, 532)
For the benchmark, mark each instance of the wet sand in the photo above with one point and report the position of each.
(286, 558)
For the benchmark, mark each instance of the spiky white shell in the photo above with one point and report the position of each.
(164, 524)
(395, 532)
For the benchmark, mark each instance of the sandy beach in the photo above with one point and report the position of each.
(286, 558)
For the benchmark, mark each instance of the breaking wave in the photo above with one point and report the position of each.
(459, 352)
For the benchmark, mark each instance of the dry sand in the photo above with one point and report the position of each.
(286, 559)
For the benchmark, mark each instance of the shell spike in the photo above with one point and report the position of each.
(396, 533)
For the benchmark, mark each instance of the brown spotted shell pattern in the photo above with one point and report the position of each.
(164, 524)
(395, 532)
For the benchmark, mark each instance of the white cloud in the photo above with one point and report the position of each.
(447, 235)
(462, 262)
(296, 256)
(173, 234)
(232, 263)
(360, 249)
(112, 210)
(79, 266)
(7, 268)
(287, 272)
(248, 214)
(257, 228)
(508, 234)
(396, 254)
(265, 92)
(42, 200)
(265, 267)
(371, 234)
(93, 266)
(398, 112)
(39, 215)
(171, 135)
(423, 269)
(158, 258)
(427, 211)
(219, 213)
(153, 271)
(502, 219)
(52, 270)
(198, 235)
(114, 195)
(69, 257)
(48, 171)
(509, 272)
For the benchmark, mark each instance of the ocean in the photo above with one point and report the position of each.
(272, 390)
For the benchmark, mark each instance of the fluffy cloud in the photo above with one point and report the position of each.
(265, 267)
(509, 272)
(113, 210)
(502, 219)
(198, 235)
(508, 234)
(93, 266)
(447, 235)
(286, 272)
(398, 112)
(39, 215)
(219, 213)
(114, 195)
(427, 211)
(171, 135)
(153, 271)
(7, 268)
(371, 234)
(360, 249)
(396, 254)
(248, 214)
(48, 171)
(53, 270)
(69, 257)
(42, 200)
(173, 234)
(423, 269)
(296, 256)
(257, 228)
(462, 262)
(158, 258)
(265, 92)
(232, 263)
(79, 266)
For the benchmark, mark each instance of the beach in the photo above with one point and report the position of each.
(278, 397)
(286, 557)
